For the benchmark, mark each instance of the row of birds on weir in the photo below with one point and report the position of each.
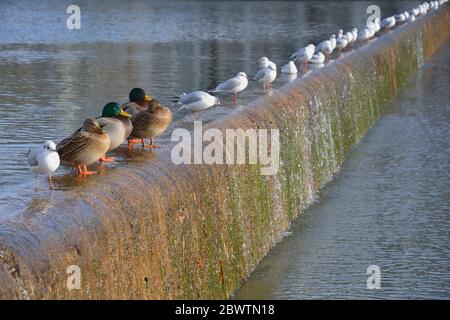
(143, 117)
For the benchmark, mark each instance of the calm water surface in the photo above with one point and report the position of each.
(389, 206)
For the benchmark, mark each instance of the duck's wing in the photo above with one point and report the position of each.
(73, 145)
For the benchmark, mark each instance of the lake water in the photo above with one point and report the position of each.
(389, 206)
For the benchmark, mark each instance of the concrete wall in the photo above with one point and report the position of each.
(154, 230)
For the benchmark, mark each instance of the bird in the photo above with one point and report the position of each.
(151, 123)
(233, 85)
(341, 40)
(197, 101)
(317, 58)
(364, 34)
(117, 124)
(400, 17)
(264, 62)
(326, 46)
(349, 36)
(266, 76)
(355, 34)
(138, 101)
(388, 22)
(84, 147)
(303, 55)
(44, 160)
(289, 68)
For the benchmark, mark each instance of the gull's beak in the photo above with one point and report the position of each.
(125, 114)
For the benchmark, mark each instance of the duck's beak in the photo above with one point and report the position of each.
(148, 98)
(125, 114)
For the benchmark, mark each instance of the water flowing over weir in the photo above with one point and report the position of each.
(156, 230)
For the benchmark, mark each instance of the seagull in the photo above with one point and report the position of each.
(44, 160)
(266, 76)
(233, 85)
(326, 46)
(317, 58)
(289, 68)
(197, 101)
(388, 23)
(264, 62)
(400, 17)
(341, 41)
(354, 34)
(364, 34)
(304, 54)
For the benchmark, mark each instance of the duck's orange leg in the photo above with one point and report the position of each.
(132, 141)
(151, 145)
(82, 170)
(104, 158)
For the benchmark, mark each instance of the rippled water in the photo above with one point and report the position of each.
(53, 78)
(389, 206)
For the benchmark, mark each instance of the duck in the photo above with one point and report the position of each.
(84, 147)
(138, 101)
(303, 55)
(44, 160)
(151, 123)
(117, 124)
(289, 68)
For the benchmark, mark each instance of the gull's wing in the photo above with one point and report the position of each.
(32, 157)
(228, 85)
(190, 97)
(261, 73)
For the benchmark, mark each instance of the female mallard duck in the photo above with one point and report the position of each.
(84, 147)
(117, 124)
(150, 124)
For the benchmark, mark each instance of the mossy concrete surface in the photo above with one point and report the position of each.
(155, 230)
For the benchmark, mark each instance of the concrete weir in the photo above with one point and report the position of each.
(155, 230)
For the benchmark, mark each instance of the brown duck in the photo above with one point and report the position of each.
(84, 147)
(150, 124)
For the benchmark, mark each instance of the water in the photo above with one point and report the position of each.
(53, 78)
(389, 206)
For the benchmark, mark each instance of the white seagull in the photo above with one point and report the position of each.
(44, 160)
(388, 23)
(341, 41)
(289, 68)
(197, 101)
(303, 55)
(266, 76)
(233, 85)
(317, 58)
(327, 46)
(264, 62)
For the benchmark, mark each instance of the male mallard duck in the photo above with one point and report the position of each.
(84, 147)
(117, 124)
(138, 101)
(150, 123)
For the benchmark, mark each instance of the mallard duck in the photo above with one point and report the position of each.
(84, 147)
(150, 124)
(44, 160)
(138, 101)
(117, 124)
